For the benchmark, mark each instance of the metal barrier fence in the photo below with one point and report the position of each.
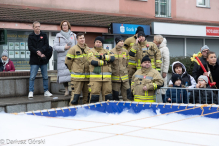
(191, 94)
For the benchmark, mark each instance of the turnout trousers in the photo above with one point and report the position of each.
(77, 87)
(125, 90)
(96, 87)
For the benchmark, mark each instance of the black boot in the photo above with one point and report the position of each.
(75, 99)
(129, 94)
(94, 98)
(115, 95)
(108, 97)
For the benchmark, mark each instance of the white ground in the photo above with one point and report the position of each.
(91, 128)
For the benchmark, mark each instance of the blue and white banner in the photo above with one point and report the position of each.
(118, 28)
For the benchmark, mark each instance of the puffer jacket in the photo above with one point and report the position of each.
(185, 77)
(148, 77)
(165, 56)
(97, 61)
(77, 63)
(146, 48)
(59, 46)
(177, 95)
(119, 65)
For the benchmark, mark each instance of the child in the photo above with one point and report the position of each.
(202, 84)
(187, 80)
(177, 95)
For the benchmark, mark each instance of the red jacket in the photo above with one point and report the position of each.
(9, 66)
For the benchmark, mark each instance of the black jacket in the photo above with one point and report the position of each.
(214, 72)
(197, 70)
(203, 95)
(35, 45)
(1, 66)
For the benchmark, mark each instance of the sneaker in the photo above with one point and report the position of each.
(47, 93)
(30, 95)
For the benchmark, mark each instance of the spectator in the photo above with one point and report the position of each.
(176, 95)
(205, 96)
(38, 45)
(165, 58)
(64, 40)
(7, 63)
(212, 66)
(187, 80)
(196, 73)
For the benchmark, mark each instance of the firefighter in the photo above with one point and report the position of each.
(145, 81)
(142, 48)
(129, 42)
(100, 71)
(120, 78)
(76, 61)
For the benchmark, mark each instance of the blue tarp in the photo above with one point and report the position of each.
(118, 107)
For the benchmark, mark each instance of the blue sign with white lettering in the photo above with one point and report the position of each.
(118, 28)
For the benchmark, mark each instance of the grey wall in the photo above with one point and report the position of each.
(193, 46)
(176, 46)
(213, 44)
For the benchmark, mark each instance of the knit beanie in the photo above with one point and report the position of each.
(139, 28)
(176, 77)
(5, 53)
(141, 33)
(204, 78)
(98, 38)
(145, 58)
(118, 39)
(204, 47)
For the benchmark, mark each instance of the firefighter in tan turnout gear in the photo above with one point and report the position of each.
(129, 42)
(120, 78)
(142, 48)
(77, 63)
(100, 71)
(145, 81)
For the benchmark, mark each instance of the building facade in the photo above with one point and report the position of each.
(187, 24)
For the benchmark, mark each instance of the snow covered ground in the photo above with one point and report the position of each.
(91, 128)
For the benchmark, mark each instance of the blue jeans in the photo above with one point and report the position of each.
(33, 72)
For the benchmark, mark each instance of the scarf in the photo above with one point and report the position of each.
(66, 34)
(5, 62)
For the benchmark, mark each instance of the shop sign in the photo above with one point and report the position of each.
(119, 28)
(212, 31)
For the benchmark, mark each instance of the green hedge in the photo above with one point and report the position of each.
(185, 60)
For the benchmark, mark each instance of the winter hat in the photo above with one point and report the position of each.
(145, 58)
(118, 39)
(139, 28)
(176, 77)
(141, 33)
(204, 78)
(98, 38)
(204, 47)
(5, 53)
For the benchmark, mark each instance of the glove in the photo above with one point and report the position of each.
(97, 70)
(99, 57)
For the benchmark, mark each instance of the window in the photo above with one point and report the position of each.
(203, 3)
(163, 8)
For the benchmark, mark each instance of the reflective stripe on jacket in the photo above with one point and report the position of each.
(119, 65)
(77, 63)
(150, 78)
(103, 64)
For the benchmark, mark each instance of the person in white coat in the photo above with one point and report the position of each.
(64, 40)
(165, 57)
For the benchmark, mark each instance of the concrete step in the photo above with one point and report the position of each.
(23, 104)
